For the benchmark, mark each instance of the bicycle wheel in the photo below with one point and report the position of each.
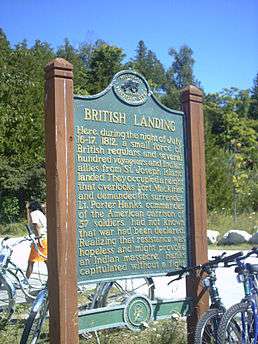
(7, 300)
(117, 292)
(87, 296)
(35, 320)
(237, 325)
(207, 327)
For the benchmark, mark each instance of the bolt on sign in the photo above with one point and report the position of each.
(131, 192)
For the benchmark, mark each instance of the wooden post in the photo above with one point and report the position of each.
(62, 280)
(192, 103)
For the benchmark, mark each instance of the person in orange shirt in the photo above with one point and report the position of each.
(38, 222)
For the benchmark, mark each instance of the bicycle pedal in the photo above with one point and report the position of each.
(86, 335)
(90, 297)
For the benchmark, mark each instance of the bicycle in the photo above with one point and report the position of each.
(239, 325)
(11, 279)
(105, 294)
(117, 292)
(36, 318)
(206, 331)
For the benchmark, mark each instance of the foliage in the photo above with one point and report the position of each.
(9, 209)
(178, 75)
(162, 332)
(147, 64)
(233, 135)
(21, 118)
(217, 174)
(68, 52)
(253, 110)
(13, 229)
(105, 61)
(222, 221)
(181, 71)
(231, 124)
(11, 333)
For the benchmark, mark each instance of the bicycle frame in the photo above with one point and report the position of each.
(248, 279)
(9, 268)
(42, 295)
(209, 283)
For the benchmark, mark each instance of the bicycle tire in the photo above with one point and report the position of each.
(207, 327)
(34, 322)
(230, 328)
(109, 296)
(7, 300)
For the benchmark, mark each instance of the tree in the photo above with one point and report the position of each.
(179, 75)
(104, 62)
(217, 174)
(231, 131)
(69, 53)
(21, 120)
(253, 111)
(147, 64)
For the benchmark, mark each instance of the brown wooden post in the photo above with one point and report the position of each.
(192, 103)
(62, 281)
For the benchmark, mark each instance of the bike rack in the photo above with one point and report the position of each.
(125, 315)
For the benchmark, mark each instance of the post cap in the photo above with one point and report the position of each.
(192, 93)
(59, 67)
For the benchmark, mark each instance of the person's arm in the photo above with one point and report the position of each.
(37, 231)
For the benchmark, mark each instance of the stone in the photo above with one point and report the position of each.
(212, 236)
(254, 239)
(234, 237)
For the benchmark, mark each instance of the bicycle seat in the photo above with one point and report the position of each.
(253, 268)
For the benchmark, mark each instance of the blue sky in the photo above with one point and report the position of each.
(222, 33)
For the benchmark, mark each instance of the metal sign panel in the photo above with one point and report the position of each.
(131, 193)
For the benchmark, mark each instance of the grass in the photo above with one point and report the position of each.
(238, 247)
(13, 229)
(223, 222)
(11, 333)
(171, 331)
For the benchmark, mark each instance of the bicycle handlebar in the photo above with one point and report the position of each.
(31, 237)
(254, 250)
(211, 263)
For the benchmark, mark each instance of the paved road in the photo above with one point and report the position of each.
(231, 292)
(20, 258)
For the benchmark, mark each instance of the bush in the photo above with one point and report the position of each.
(13, 229)
(9, 209)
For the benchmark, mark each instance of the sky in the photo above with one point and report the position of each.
(223, 34)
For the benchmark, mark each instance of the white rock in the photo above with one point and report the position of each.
(235, 236)
(254, 239)
(212, 236)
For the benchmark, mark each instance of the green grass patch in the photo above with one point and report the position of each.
(11, 332)
(238, 247)
(171, 331)
(223, 221)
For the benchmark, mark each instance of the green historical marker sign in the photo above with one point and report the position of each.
(131, 192)
(126, 198)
